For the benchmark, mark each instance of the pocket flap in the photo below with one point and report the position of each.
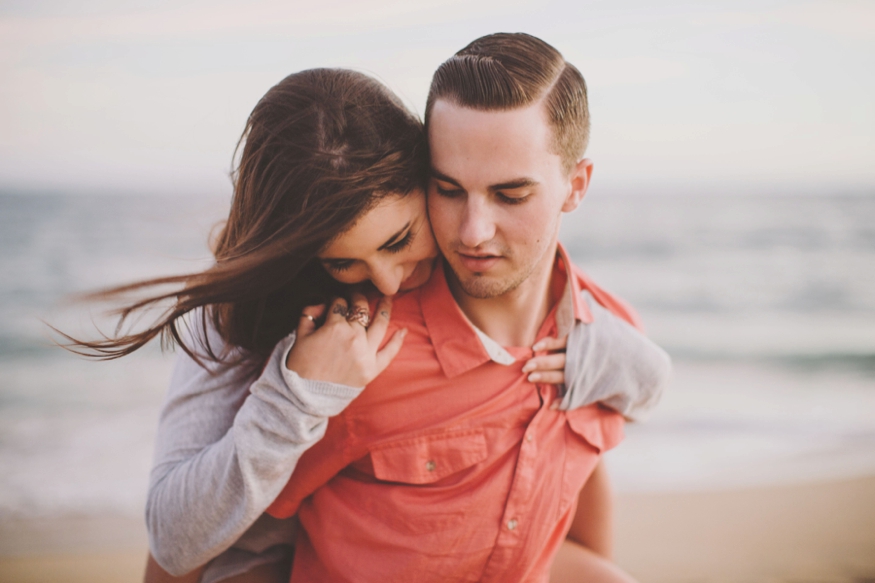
(602, 428)
(429, 458)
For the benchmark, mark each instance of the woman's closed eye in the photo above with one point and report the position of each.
(402, 244)
(341, 265)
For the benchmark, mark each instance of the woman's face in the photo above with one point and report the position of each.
(391, 245)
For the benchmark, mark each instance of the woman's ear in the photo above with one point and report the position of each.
(580, 176)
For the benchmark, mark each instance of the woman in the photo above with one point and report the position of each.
(328, 191)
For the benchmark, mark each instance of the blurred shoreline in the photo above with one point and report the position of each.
(818, 531)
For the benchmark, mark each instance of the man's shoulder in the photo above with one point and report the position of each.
(606, 299)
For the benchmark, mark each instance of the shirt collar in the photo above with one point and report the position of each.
(460, 346)
(572, 307)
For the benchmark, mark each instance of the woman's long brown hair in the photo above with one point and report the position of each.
(321, 148)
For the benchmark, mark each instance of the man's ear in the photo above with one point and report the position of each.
(579, 176)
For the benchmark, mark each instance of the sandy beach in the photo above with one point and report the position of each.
(816, 532)
(809, 533)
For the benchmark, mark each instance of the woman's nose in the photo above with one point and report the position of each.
(388, 278)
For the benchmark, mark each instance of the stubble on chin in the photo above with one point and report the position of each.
(484, 287)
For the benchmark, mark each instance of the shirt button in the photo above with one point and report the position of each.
(555, 404)
(511, 524)
(529, 438)
(430, 465)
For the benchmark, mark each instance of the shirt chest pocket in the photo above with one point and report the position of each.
(422, 489)
(429, 458)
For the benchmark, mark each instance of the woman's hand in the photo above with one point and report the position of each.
(343, 350)
(548, 368)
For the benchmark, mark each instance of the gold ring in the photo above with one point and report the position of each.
(360, 315)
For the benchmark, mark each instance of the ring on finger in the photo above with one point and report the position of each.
(360, 315)
(341, 310)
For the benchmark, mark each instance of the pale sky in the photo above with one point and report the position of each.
(143, 96)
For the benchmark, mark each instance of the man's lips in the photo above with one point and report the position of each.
(478, 262)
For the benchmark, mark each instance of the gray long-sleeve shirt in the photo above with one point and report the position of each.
(228, 442)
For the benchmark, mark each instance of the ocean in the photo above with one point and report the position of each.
(766, 304)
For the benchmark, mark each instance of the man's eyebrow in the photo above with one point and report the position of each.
(391, 240)
(444, 178)
(509, 185)
(515, 183)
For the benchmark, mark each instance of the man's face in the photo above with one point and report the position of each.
(497, 193)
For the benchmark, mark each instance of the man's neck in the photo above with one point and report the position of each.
(514, 318)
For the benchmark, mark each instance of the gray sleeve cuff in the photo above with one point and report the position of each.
(319, 397)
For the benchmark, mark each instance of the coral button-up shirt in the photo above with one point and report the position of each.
(450, 466)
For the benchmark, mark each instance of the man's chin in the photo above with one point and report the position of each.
(483, 287)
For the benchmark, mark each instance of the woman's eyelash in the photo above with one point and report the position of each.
(339, 266)
(398, 247)
(402, 244)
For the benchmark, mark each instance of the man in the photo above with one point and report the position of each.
(452, 465)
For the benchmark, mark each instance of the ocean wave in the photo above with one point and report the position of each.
(839, 361)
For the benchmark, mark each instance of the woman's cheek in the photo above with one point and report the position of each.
(429, 246)
(348, 277)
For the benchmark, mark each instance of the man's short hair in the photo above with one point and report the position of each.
(510, 70)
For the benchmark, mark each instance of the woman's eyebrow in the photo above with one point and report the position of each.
(394, 237)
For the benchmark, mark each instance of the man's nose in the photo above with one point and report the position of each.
(478, 225)
(387, 278)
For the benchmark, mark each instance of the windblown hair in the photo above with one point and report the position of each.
(320, 149)
(511, 70)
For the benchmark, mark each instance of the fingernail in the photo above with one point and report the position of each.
(534, 377)
(528, 366)
(538, 346)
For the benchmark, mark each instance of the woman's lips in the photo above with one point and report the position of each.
(478, 263)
